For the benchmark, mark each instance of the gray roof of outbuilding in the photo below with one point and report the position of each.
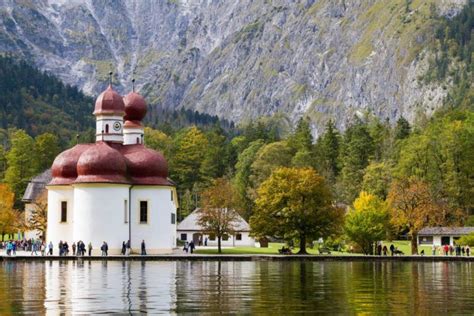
(36, 186)
(191, 223)
(436, 231)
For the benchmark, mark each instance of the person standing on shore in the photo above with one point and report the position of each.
(392, 249)
(74, 248)
(468, 250)
(143, 248)
(124, 248)
(89, 248)
(191, 246)
(385, 250)
(33, 248)
(433, 250)
(129, 246)
(50, 248)
(103, 249)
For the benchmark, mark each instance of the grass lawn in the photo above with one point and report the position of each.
(405, 246)
(402, 245)
(272, 250)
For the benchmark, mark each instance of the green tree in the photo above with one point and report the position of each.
(295, 204)
(218, 155)
(402, 129)
(159, 141)
(21, 161)
(190, 147)
(377, 179)
(3, 162)
(354, 156)
(301, 139)
(382, 140)
(327, 152)
(268, 158)
(467, 240)
(367, 222)
(46, 148)
(242, 182)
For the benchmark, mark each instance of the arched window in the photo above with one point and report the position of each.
(106, 128)
(138, 140)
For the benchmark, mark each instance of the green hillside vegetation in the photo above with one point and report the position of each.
(38, 102)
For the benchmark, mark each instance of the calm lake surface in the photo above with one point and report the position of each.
(237, 287)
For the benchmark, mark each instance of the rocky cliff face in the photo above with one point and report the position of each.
(239, 59)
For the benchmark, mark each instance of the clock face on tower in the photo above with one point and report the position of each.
(117, 126)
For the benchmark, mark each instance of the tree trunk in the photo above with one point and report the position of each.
(219, 250)
(302, 245)
(414, 244)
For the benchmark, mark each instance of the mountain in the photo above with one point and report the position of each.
(242, 59)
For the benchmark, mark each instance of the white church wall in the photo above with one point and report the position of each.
(58, 230)
(109, 128)
(132, 136)
(159, 233)
(100, 215)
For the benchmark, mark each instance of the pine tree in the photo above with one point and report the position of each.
(327, 152)
(354, 156)
(402, 129)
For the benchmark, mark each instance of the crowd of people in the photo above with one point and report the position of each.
(450, 250)
(39, 247)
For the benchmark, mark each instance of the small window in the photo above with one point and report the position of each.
(63, 211)
(238, 237)
(138, 140)
(171, 195)
(125, 211)
(212, 237)
(173, 218)
(106, 128)
(143, 212)
(184, 237)
(225, 237)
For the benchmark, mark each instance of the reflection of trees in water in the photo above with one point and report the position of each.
(237, 287)
(21, 287)
(212, 286)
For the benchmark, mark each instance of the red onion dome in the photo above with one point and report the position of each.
(145, 166)
(135, 107)
(101, 164)
(109, 102)
(64, 169)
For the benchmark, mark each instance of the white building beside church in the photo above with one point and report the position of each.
(115, 189)
(190, 230)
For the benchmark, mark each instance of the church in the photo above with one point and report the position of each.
(115, 189)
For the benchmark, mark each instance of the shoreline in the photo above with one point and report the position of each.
(240, 257)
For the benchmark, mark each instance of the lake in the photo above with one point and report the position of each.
(236, 287)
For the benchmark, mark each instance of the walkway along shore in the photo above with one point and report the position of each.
(243, 257)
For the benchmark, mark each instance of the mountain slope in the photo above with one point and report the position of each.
(39, 102)
(241, 59)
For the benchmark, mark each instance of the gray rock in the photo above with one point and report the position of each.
(237, 59)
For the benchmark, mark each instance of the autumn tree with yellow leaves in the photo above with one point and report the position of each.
(367, 221)
(295, 204)
(413, 206)
(10, 219)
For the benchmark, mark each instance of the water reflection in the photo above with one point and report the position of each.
(85, 287)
